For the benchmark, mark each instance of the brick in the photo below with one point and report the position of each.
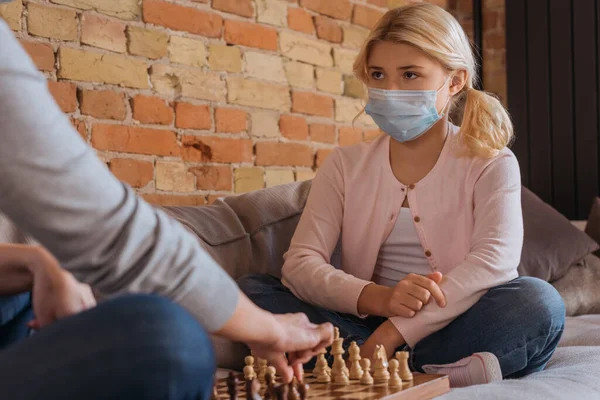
(79, 125)
(148, 43)
(275, 177)
(492, 19)
(127, 139)
(187, 51)
(444, 3)
(104, 33)
(300, 20)
(344, 59)
(379, 3)
(329, 80)
(328, 29)
(322, 154)
(350, 136)
(225, 58)
(218, 150)
(495, 40)
(258, 94)
(283, 154)
(249, 179)
(265, 124)
(353, 87)
(400, 3)
(182, 18)
(219, 178)
(151, 110)
(313, 104)
(41, 54)
(175, 81)
(366, 16)
(346, 110)
(339, 9)
(293, 127)
(123, 9)
(305, 175)
(86, 66)
(354, 36)
(173, 176)
(134, 172)
(231, 120)
(300, 48)
(300, 75)
(212, 198)
(51, 22)
(190, 116)
(103, 104)
(272, 12)
(251, 35)
(65, 95)
(243, 8)
(322, 133)
(371, 134)
(172, 200)
(11, 13)
(264, 66)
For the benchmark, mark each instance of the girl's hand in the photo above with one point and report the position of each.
(56, 293)
(412, 293)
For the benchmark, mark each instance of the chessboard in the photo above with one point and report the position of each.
(422, 387)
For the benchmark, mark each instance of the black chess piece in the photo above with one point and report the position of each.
(252, 390)
(232, 386)
(281, 392)
(269, 395)
(292, 391)
(303, 389)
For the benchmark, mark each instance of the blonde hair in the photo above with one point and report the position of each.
(486, 126)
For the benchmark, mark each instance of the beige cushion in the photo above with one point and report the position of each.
(579, 287)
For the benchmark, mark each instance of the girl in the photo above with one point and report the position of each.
(429, 217)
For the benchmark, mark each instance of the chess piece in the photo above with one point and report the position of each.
(249, 372)
(339, 371)
(366, 379)
(292, 391)
(356, 371)
(381, 374)
(281, 392)
(323, 374)
(303, 389)
(232, 386)
(270, 379)
(271, 370)
(405, 374)
(262, 370)
(395, 380)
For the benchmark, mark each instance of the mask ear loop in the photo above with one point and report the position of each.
(443, 113)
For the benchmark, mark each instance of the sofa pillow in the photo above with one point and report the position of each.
(593, 224)
(579, 287)
(551, 243)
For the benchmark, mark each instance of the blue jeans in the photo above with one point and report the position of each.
(520, 322)
(131, 347)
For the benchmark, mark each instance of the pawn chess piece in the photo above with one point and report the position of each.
(303, 389)
(262, 370)
(271, 370)
(366, 379)
(249, 372)
(356, 371)
(281, 392)
(395, 380)
(232, 386)
(253, 389)
(381, 374)
(293, 393)
(405, 374)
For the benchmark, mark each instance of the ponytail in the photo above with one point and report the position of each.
(486, 126)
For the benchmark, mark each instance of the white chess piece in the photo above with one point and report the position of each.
(366, 379)
(395, 380)
(323, 370)
(262, 370)
(249, 372)
(339, 371)
(356, 371)
(405, 374)
(381, 374)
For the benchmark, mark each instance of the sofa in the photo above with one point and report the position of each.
(251, 232)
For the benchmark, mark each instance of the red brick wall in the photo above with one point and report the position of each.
(189, 100)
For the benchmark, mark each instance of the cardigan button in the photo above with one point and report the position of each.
(417, 219)
(411, 187)
(428, 253)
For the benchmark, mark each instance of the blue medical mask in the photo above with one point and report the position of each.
(404, 114)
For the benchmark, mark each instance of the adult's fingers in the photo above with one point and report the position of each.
(431, 286)
(282, 366)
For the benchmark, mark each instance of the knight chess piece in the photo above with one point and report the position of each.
(381, 374)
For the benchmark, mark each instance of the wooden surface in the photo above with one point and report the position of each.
(423, 387)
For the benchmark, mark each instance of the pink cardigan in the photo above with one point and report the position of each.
(467, 213)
